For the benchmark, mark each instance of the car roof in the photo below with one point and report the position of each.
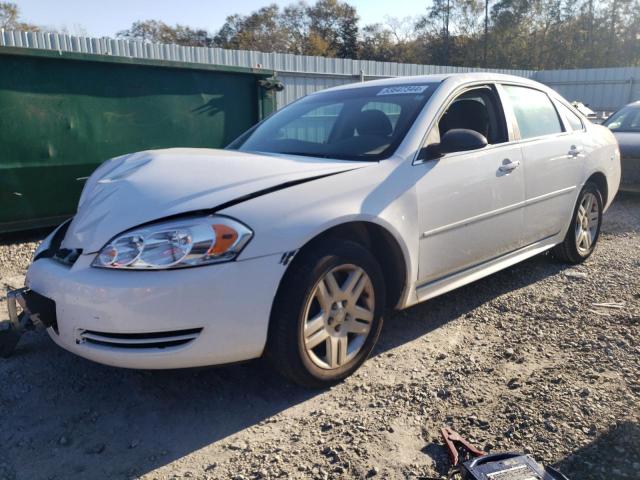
(453, 78)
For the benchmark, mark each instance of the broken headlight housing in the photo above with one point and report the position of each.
(176, 244)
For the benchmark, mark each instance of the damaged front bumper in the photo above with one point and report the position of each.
(28, 310)
(190, 317)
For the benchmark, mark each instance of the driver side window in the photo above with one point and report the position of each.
(478, 110)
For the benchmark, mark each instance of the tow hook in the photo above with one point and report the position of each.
(21, 319)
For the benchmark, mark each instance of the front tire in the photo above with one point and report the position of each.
(327, 314)
(584, 231)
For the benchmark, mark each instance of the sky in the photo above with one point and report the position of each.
(106, 17)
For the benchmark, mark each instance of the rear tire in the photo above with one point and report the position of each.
(327, 314)
(584, 230)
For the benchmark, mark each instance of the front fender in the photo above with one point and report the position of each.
(383, 194)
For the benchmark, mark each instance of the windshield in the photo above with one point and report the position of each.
(626, 119)
(366, 123)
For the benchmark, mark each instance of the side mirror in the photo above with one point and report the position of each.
(461, 140)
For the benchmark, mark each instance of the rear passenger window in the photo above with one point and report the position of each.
(572, 117)
(535, 114)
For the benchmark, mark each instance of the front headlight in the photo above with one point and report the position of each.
(176, 244)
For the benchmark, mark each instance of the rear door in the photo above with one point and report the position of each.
(552, 159)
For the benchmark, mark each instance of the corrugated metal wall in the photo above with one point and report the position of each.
(603, 89)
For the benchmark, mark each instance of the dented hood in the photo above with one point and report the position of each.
(134, 189)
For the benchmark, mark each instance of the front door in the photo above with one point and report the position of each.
(471, 202)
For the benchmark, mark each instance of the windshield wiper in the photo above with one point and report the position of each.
(329, 156)
(304, 154)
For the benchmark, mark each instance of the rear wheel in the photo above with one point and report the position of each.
(327, 315)
(584, 231)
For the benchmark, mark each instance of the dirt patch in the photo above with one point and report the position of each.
(534, 359)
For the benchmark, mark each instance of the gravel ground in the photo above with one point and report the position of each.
(524, 360)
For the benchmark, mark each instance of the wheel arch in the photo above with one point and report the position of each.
(600, 180)
(380, 241)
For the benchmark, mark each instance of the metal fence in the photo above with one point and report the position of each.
(602, 89)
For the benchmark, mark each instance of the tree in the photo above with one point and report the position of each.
(261, 30)
(337, 24)
(377, 43)
(10, 18)
(159, 32)
(295, 22)
(437, 25)
(485, 44)
(328, 28)
(393, 41)
(527, 34)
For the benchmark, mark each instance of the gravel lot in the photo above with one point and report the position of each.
(523, 360)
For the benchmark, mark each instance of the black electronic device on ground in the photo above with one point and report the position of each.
(493, 466)
(507, 466)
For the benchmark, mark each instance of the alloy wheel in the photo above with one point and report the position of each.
(338, 316)
(587, 220)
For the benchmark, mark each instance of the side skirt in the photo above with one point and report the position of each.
(451, 282)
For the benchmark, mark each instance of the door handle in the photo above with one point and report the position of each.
(574, 151)
(508, 166)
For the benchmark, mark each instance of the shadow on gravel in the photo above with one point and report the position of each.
(65, 417)
(402, 327)
(627, 214)
(102, 422)
(97, 422)
(614, 455)
(405, 326)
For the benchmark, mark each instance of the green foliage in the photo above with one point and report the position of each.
(328, 28)
(534, 34)
(159, 32)
(528, 34)
(10, 18)
(337, 24)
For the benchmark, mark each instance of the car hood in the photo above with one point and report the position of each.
(629, 144)
(138, 188)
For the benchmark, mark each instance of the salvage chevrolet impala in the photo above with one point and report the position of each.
(293, 241)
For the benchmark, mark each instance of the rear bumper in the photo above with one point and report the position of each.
(120, 318)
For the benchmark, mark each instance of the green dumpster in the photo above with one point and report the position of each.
(62, 114)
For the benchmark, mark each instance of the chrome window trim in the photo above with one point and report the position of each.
(512, 125)
(573, 110)
(515, 125)
(443, 108)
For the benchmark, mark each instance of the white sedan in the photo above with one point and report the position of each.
(293, 241)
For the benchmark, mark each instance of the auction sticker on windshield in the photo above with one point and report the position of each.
(403, 90)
